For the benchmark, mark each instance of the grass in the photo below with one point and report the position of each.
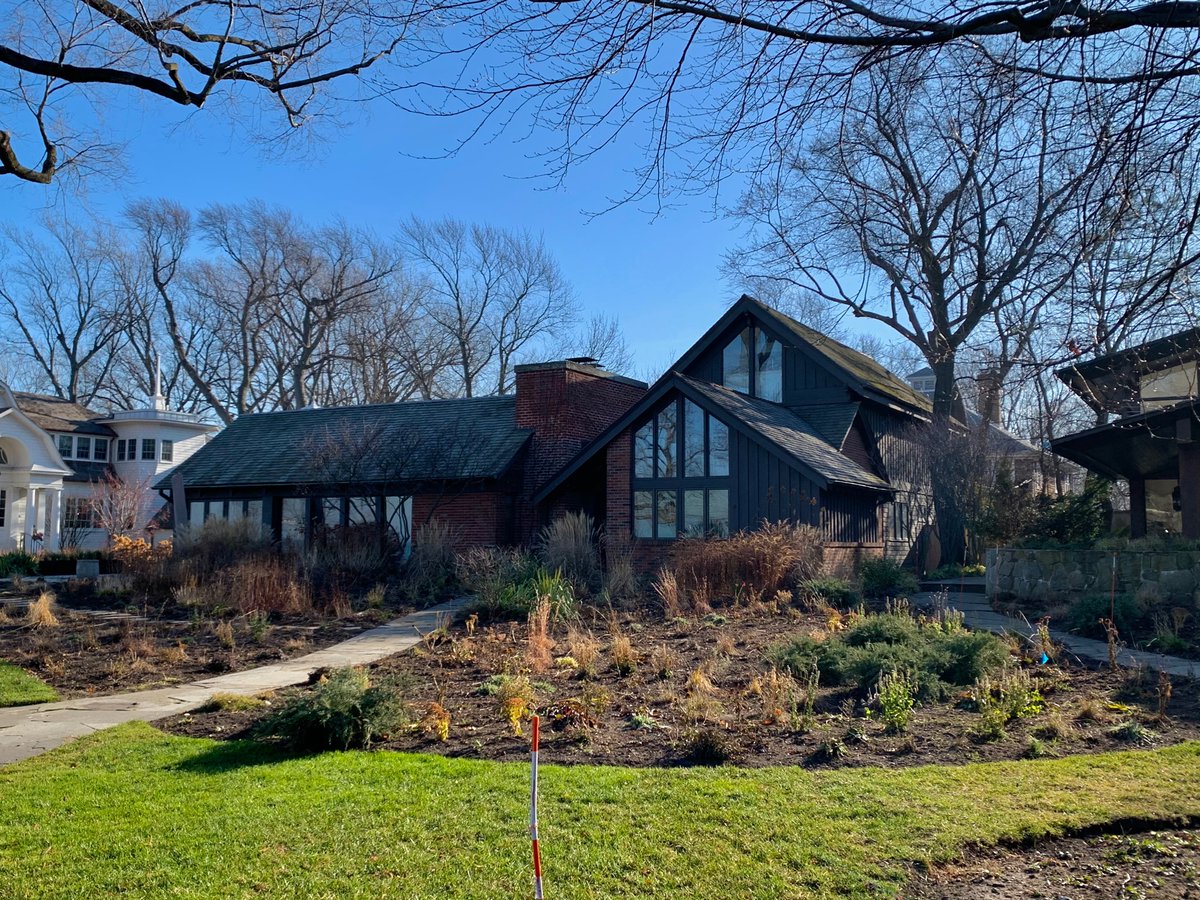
(19, 688)
(136, 812)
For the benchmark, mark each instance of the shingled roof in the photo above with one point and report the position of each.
(786, 430)
(867, 372)
(414, 441)
(56, 414)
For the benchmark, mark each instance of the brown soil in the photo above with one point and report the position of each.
(644, 719)
(89, 654)
(1156, 864)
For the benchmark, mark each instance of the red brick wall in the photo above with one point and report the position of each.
(619, 502)
(567, 406)
(476, 519)
(841, 560)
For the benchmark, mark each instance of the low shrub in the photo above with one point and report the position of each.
(348, 557)
(932, 659)
(570, 545)
(748, 565)
(17, 562)
(895, 700)
(223, 701)
(344, 711)
(707, 747)
(41, 612)
(836, 592)
(270, 583)
(490, 574)
(1085, 615)
(885, 578)
(432, 565)
(219, 543)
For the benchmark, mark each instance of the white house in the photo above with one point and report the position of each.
(53, 452)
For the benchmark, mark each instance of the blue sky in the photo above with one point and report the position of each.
(659, 274)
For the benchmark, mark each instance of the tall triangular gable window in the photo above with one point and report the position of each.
(752, 363)
(680, 473)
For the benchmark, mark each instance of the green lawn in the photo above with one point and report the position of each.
(135, 812)
(18, 687)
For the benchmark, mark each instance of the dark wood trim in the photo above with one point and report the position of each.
(1137, 507)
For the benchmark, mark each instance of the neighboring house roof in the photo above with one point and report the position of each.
(56, 414)
(999, 439)
(782, 427)
(413, 441)
(87, 472)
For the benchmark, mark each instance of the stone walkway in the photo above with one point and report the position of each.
(26, 731)
(978, 613)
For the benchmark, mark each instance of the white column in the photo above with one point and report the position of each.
(31, 510)
(54, 532)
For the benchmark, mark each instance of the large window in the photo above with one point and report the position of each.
(168, 451)
(148, 449)
(758, 373)
(680, 473)
(78, 514)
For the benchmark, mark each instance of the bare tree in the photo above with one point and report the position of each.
(601, 339)
(945, 216)
(63, 298)
(493, 293)
(59, 60)
(118, 506)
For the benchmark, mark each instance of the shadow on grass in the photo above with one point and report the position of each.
(228, 756)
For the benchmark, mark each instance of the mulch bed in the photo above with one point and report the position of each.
(87, 654)
(644, 719)
(1155, 864)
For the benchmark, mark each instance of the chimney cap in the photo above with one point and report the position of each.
(586, 361)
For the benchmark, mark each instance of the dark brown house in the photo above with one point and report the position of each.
(1150, 397)
(762, 418)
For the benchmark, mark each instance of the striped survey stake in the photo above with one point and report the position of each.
(533, 817)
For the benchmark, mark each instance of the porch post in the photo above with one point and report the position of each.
(31, 515)
(54, 532)
(1137, 507)
(1189, 489)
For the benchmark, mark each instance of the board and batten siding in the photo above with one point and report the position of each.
(766, 487)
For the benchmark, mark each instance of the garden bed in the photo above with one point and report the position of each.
(700, 689)
(1161, 864)
(85, 653)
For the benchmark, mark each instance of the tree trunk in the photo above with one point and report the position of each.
(948, 512)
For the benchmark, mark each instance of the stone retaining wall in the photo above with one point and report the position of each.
(1162, 576)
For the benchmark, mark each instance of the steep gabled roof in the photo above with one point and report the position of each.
(857, 370)
(56, 414)
(768, 424)
(415, 441)
(781, 427)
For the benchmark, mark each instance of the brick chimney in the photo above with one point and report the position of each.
(990, 391)
(572, 400)
(567, 404)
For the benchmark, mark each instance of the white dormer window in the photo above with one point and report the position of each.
(100, 449)
(167, 451)
(64, 446)
(121, 450)
(148, 449)
(83, 448)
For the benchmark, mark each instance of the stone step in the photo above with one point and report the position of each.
(971, 585)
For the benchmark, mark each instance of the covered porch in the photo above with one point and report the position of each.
(31, 492)
(1158, 453)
